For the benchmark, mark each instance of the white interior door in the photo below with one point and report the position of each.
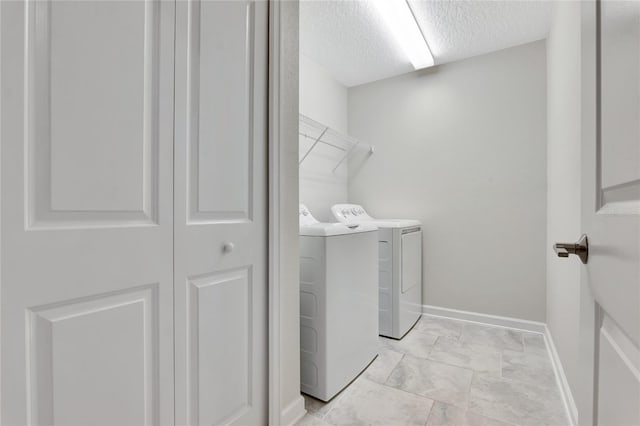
(220, 211)
(611, 203)
(87, 216)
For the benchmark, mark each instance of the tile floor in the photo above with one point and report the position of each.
(450, 373)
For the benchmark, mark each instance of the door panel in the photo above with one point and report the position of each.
(220, 305)
(611, 201)
(87, 212)
(619, 161)
(615, 224)
(71, 345)
(220, 211)
(221, 62)
(619, 381)
(92, 91)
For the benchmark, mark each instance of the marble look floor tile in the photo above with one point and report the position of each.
(475, 357)
(516, 402)
(371, 403)
(496, 337)
(414, 343)
(529, 367)
(320, 408)
(311, 420)
(383, 365)
(439, 326)
(432, 379)
(534, 342)
(448, 415)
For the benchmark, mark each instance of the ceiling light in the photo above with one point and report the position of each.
(402, 23)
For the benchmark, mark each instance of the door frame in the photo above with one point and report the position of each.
(283, 275)
(586, 395)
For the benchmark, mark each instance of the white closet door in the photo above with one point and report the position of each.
(87, 216)
(220, 212)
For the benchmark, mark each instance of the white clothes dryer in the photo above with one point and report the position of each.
(400, 268)
(338, 303)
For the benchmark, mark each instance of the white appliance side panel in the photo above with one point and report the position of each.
(411, 264)
(385, 277)
(313, 316)
(352, 307)
(396, 274)
(409, 290)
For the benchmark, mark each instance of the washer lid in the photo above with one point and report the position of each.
(309, 226)
(394, 223)
(355, 213)
(333, 229)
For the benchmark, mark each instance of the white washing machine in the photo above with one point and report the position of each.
(338, 303)
(400, 268)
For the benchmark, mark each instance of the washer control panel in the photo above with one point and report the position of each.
(305, 216)
(350, 213)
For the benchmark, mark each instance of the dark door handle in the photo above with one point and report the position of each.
(580, 249)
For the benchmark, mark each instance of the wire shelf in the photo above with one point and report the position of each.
(322, 134)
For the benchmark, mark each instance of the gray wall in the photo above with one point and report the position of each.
(564, 182)
(462, 147)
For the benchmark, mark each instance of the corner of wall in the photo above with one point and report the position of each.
(563, 193)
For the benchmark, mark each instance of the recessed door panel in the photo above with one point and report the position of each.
(92, 121)
(221, 60)
(220, 335)
(94, 361)
(619, 161)
(619, 377)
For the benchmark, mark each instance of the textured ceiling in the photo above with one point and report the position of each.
(348, 38)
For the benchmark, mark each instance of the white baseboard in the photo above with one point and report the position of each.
(495, 320)
(561, 379)
(293, 412)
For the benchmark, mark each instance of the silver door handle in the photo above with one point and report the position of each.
(580, 249)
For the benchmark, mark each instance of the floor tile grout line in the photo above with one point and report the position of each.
(474, 372)
(459, 338)
(422, 396)
(426, 421)
(497, 352)
(393, 369)
(445, 363)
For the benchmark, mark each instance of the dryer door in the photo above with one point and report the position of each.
(411, 263)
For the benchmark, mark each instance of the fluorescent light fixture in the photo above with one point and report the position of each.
(399, 18)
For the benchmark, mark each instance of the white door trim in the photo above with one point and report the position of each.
(274, 212)
(286, 405)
